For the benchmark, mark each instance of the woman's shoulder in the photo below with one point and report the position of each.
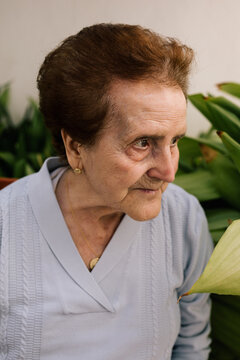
(14, 198)
(177, 199)
(186, 224)
(15, 189)
(183, 213)
(19, 188)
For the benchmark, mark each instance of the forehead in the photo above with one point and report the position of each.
(148, 106)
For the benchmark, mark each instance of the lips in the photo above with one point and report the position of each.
(150, 189)
(146, 190)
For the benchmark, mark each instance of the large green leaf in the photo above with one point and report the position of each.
(214, 144)
(189, 151)
(199, 183)
(225, 320)
(233, 148)
(230, 88)
(220, 113)
(225, 104)
(218, 220)
(226, 179)
(228, 300)
(222, 272)
(224, 120)
(199, 101)
(218, 217)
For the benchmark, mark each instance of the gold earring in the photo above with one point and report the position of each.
(77, 171)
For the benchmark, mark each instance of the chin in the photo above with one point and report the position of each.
(145, 213)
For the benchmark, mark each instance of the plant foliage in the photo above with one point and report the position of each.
(210, 169)
(23, 146)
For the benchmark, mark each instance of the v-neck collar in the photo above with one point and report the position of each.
(54, 229)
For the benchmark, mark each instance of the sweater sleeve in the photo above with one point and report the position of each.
(193, 339)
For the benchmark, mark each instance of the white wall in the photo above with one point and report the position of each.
(29, 29)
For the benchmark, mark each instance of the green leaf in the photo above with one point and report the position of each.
(216, 235)
(29, 141)
(229, 301)
(218, 112)
(222, 272)
(21, 146)
(35, 160)
(7, 157)
(218, 217)
(216, 145)
(37, 129)
(199, 101)
(225, 104)
(28, 169)
(230, 88)
(199, 183)
(232, 146)
(4, 102)
(224, 120)
(225, 319)
(19, 168)
(5, 94)
(189, 151)
(22, 168)
(226, 179)
(48, 149)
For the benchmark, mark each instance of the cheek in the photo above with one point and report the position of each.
(122, 176)
(127, 174)
(114, 172)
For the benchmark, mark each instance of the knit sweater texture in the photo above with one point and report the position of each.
(53, 308)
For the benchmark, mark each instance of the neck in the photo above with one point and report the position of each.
(72, 196)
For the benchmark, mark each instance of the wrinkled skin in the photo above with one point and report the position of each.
(136, 156)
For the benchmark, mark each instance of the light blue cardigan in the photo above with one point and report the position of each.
(53, 308)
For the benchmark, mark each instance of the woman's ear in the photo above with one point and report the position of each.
(73, 150)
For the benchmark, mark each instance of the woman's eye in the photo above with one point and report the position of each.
(142, 143)
(174, 142)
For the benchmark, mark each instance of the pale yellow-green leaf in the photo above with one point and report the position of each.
(222, 272)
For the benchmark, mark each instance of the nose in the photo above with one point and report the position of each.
(165, 165)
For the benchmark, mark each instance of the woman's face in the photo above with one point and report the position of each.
(137, 155)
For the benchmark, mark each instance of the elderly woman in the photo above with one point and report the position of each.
(97, 246)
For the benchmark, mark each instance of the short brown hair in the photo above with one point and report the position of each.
(74, 79)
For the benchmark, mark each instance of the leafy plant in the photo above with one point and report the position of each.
(222, 272)
(210, 169)
(23, 146)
